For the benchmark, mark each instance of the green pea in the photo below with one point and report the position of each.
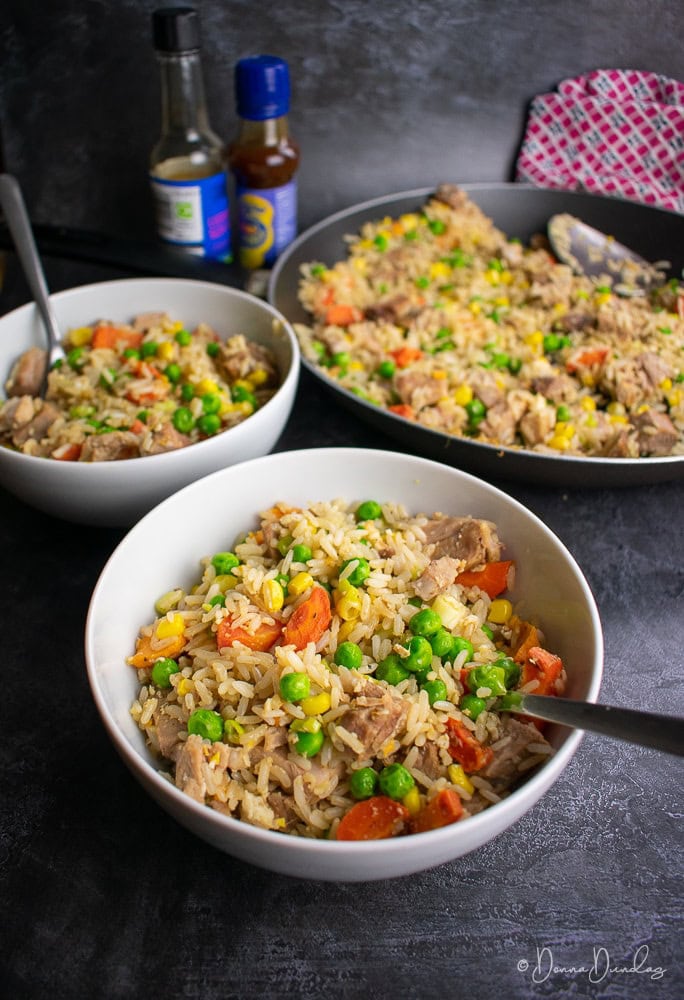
(442, 643)
(437, 227)
(211, 402)
(294, 687)
(319, 349)
(213, 348)
(369, 510)
(488, 632)
(562, 413)
(162, 670)
(173, 373)
(341, 359)
(422, 282)
(427, 622)
(209, 423)
(380, 241)
(75, 358)
(458, 644)
(308, 736)
(391, 670)
(206, 723)
(420, 654)
(131, 354)
(436, 691)
(415, 602)
(107, 378)
(510, 668)
(183, 337)
(183, 420)
(232, 731)
(219, 599)
(142, 415)
(395, 781)
(187, 392)
(283, 579)
(509, 701)
(514, 365)
(241, 394)
(148, 349)
(224, 562)
(349, 655)
(551, 342)
(301, 553)
(360, 572)
(386, 369)
(362, 783)
(476, 410)
(283, 544)
(471, 705)
(489, 677)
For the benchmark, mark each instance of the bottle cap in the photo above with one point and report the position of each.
(262, 87)
(175, 29)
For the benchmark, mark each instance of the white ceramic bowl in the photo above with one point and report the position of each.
(548, 586)
(118, 493)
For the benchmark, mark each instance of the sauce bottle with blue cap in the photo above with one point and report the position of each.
(264, 160)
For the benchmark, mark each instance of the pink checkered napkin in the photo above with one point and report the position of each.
(612, 132)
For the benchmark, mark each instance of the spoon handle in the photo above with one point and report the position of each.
(19, 225)
(661, 732)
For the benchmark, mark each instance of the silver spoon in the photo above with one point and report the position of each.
(660, 732)
(588, 251)
(19, 225)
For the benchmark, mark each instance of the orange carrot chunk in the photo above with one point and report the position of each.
(405, 355)
(114, 336)
(373, 819)
(587, 358)
(67, 453)
(527, 636)
(543, 667)
(445, 808)
(309, 621)
(403, 410)
(465, 749)
(493, 579)
(260, 640)
(342, 315)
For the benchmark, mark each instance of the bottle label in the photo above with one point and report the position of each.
(268, 222)
(193, 215)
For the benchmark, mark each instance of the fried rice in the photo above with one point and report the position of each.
(132, 390)
(289, 687)
(442, 319)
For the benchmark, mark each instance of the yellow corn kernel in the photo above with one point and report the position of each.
(439, 374)
(411, 801)
(226, 581)
(591, 421)
(184, 686)
(588, 403)
(273, 596)
(343, 587)
(458, 777)
(242, 383)
(170, 626)
(463, 395)
(327, 276)
(360, 264)
(535, 341)
(602, 298)
(559, 309)
(615, 409)
(500, 611)
(588, 380)
(258, 377)
(439, 270)
(564, 429)
(167, 601)
(348, 606)
(244, 407)
(674, 398)
(502, 300)
(344, 631)
(365, 244)
(559, 442)
(206, 385)
(315, 704)
(475, 308)
(408, 221)
(80, 336)
(356, 366)
(492, 276)
(166, 350)
(666, 384)
(299, 583)
(215, 758)
(644, 408)
(227, 406)
(506, 278)
(617, 418)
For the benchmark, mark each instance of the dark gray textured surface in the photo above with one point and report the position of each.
(102, 894)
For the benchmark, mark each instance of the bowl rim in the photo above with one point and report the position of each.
(507, 810)
(287, 383)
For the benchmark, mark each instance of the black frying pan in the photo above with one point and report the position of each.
(519, 210)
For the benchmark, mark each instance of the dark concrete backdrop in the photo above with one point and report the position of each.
(386, 95)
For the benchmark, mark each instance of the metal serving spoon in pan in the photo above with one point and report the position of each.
(19, 225)
(588, 251)
(660, 732)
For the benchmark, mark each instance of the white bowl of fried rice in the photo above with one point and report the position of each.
(313, 678)
(164, 381)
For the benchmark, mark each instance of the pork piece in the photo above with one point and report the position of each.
(429, 761)
(283, 810)
(37, 427)
(374, 721)
(499, 424)
(654, 368)
(552, 287)
(168, 731)
(505, 765)
(575, 320)
(558, 388)
(110, 447)
(165, 438)
(239, 357)
(26, 377)
(396, 310)
(15, 413)
(417, 389)
(319, 781)
(483, 384)
(467, 539)
(512, 253)
(436, 577)
(536, 424)
(145, 321)
(656, 434)
(617, 445)
(451, 195)
(189, 768)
